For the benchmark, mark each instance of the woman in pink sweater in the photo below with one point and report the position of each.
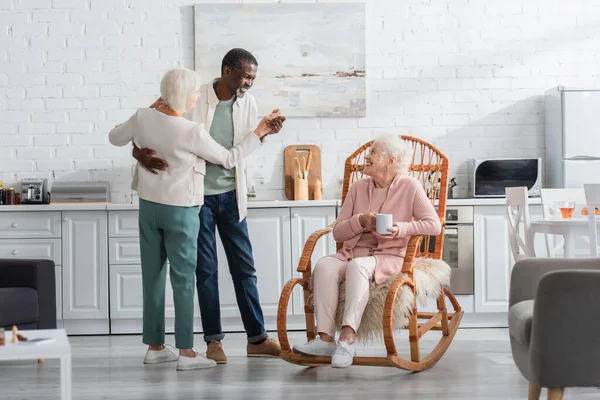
(367, 256)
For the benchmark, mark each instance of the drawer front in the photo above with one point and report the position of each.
(33, 224)
(124, 251)
(34, 248)
(123, 224)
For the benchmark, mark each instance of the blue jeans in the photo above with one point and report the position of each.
(221, 210)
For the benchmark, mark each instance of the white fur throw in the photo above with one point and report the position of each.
(430, 274)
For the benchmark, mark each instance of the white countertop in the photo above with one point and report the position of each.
(487, 201)
(56, 207)
(133, 207)
(498, 201)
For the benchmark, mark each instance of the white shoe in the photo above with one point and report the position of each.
(316, 347)
(160, 356)
(343, 355)
(199, 362)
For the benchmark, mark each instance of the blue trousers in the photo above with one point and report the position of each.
(221, 211)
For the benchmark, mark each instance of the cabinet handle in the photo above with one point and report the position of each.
(65, 219)
(15, 252)
(295, 215)
(14, 225)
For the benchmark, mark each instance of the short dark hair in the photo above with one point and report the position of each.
(236, 57)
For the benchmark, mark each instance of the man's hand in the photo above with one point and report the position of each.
(276, 123)
(146, 159)
(269, 124)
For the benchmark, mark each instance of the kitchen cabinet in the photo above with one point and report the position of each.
(305, 221)
(85, 269)
(277, 236)
(126, 294)
(34, 235)
(493, 256)
(125, 276)
(98, 273)
(269, 231)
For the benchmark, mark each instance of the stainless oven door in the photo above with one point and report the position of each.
(458, 253)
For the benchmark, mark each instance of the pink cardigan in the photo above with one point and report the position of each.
(413, 212)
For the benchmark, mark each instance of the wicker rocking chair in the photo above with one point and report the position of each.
(430, 167)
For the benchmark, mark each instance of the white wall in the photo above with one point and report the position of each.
(467, 75)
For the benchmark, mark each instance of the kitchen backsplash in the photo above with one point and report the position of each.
(468, 76)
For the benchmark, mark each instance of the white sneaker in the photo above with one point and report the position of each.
(199, 362)
(343, 355)
(316, 347)
(160, 356)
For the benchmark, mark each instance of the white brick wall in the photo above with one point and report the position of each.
(467, 75)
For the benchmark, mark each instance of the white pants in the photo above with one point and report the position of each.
(328, 274)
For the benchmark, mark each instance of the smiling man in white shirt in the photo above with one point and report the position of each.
(229, 113)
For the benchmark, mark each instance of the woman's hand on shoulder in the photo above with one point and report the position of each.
(158, 103)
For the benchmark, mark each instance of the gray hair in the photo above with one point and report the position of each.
(178, 87)
(394, 146)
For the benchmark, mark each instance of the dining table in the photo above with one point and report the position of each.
(570, 229)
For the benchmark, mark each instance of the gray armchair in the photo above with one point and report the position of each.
(27, 294)
(554, 323)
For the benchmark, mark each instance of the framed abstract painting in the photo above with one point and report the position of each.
(311, 57)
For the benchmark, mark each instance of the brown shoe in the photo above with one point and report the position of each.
(268, 348)
(215, 352)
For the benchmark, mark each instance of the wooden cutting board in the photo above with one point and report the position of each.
(291, 167)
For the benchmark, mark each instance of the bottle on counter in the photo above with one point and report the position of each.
(317, 190)
(9, 196)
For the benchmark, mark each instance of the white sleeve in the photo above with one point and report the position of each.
(204, 146)
(122, 134)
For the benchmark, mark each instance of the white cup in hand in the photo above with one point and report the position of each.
(383, 223)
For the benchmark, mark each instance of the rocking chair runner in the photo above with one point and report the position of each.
(430, 167)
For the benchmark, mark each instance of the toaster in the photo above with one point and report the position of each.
(35, 191)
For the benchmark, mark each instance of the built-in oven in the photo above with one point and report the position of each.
(458, 248)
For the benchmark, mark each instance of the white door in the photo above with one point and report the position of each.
(126, 294)
(269, 230)
(305, 221)
(493, 256)
(578, 172)
(581, 123)
(126, 291)
(85, 265)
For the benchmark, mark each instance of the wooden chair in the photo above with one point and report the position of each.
(430, 166)
(517, 210)
(592, 199)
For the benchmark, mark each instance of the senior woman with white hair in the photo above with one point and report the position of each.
(367, 256)
(168, 209)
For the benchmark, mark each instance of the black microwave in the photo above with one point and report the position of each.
(490, 177)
